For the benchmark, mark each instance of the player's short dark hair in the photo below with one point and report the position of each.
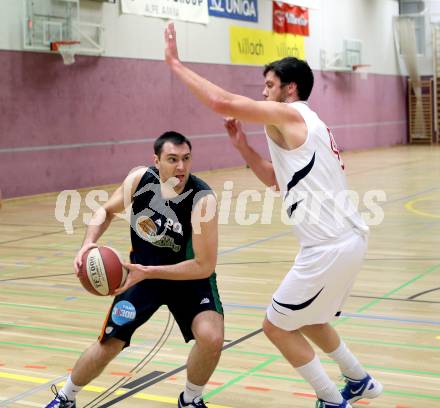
(291, 69)
(174, 137)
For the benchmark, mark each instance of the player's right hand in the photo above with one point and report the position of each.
(235, 132)
(171, 53)
(77, 262)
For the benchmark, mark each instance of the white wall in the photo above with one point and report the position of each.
(432, 15)
(141, 37)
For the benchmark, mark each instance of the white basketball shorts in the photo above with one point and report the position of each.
(318, 284)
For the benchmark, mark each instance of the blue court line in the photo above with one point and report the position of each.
(388, 318)
(352, 315)
(258, 241)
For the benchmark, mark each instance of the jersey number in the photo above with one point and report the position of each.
(335, 149)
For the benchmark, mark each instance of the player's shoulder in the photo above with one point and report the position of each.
(142, 176)
(202, 193)
(197, 184)
(147, 174)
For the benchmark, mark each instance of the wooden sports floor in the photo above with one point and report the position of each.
(391, 319)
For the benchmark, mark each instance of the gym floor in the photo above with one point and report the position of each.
(391, 320)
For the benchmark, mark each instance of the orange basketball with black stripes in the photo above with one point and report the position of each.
(102, 271)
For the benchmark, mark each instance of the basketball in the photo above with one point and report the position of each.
(102, 271)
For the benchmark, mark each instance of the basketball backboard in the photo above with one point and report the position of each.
(345, 60)
(48, 22)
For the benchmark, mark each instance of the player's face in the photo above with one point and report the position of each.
(273, 89)
(174, 165)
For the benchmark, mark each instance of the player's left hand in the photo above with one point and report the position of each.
(136, 273)
(171, 53)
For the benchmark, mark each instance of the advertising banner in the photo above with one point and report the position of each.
(259, 47)
(195, 11)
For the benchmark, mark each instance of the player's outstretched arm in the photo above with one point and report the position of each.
(221, 101)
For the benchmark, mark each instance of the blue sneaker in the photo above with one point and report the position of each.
(60, 401)
(355, 390)
(325, 404)
(195, 403)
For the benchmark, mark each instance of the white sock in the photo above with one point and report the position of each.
(314, 374)
(70, 389)
(348, 363)
(192, 391)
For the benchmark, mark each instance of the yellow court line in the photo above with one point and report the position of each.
(93, 388)
(410, 207)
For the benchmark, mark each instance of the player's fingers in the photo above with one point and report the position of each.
(76, 265)
(170, 33)
(119, 291)
(129, 266)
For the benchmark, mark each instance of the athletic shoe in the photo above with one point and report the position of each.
(355, 390)
(325, 404)
(196, 403)
(60, 401)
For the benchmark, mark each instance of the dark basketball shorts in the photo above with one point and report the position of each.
(185, 300)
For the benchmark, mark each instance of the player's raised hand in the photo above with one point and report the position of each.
(171, 53)
(235, 132)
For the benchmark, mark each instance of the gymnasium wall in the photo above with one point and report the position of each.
(66, 127)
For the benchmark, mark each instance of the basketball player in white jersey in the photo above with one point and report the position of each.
(307, 169)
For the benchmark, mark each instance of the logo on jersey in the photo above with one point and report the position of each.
(147, 229)
(296, 178)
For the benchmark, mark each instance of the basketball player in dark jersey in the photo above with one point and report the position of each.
(174, 236)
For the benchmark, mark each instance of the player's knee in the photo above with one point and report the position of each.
(270, 330)
(211, 340)
(108, 349)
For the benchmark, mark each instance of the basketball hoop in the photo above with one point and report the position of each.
(361, 69)
(67, 49)
(355, 67)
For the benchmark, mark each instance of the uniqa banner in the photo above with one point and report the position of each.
(246, 10)
(290, 19)
(195, 11)
(259, 47)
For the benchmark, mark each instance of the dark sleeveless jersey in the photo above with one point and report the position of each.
(161, 231)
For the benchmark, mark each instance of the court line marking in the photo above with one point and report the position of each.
(90, 388)
(410, 206)
(172, 372)
(410, 299)
(32, 391)
(413, 297)
(427, 272)
(241, 377)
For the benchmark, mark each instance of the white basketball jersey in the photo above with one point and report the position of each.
(312, 181)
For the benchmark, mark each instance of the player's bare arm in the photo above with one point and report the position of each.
(221, 101)
(262, 168)
(204, 219)
(102, 217)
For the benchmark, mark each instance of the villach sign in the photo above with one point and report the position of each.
(246, 10)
